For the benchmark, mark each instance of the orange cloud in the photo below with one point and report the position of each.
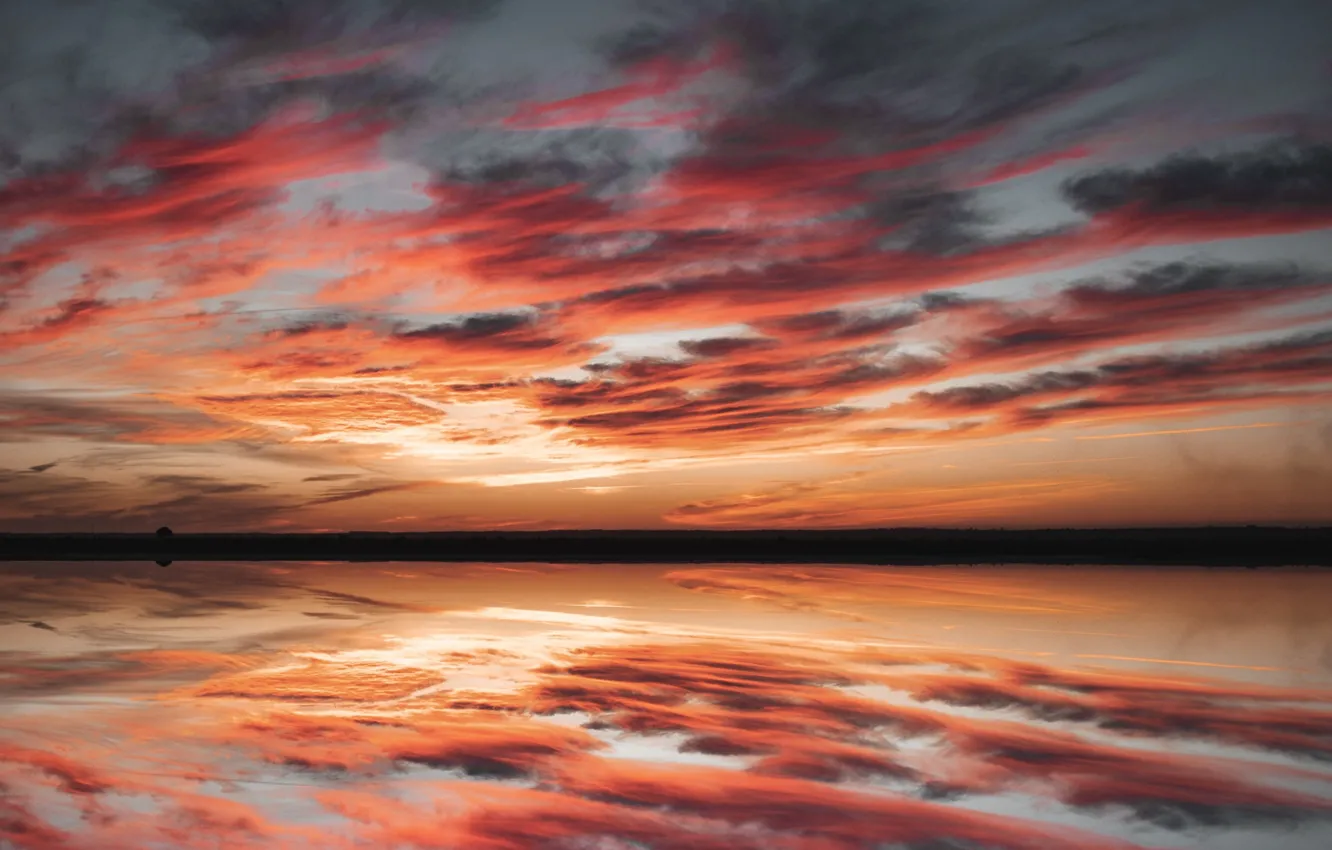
(814, 587)
(832, 505)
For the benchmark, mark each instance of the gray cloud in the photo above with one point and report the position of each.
(78, 79)
(1277, 178)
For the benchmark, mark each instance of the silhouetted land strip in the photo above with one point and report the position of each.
(1224, 546)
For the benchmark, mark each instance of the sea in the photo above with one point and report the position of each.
(611, 706)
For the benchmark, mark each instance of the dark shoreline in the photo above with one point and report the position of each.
(1249, 546)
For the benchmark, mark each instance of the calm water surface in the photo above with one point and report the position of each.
(609, 707)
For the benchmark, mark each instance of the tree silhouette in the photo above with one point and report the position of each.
(164, 532)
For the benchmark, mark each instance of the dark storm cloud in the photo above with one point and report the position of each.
(790, 712)
(201, 608)
(364, 491)
(79, 79)
(808, 744)
(700, 418)
(474, 327)
(1275, 369)
(50, 591)
(495, 334)
(1307, 353)
(44, 593)
(1204, 714)
(600, 159)
(71, 315)
(293, 23)
(853, 65)
(843, 325)
(310, 326)
(366, 603)
(1174, 300)
(863, 76)
(847, 109)
(201, 485)
(492, 747)
(195, 499)
(381, 58)
(747, 387)
(1176, 279)
(722, 346)
(1174, 793)
(70, 74)
(1280, 178)
(932, 219)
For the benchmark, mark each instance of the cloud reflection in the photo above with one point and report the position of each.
(491, 712)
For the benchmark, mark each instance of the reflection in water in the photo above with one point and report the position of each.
(810, 708)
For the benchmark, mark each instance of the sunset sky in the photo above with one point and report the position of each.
(445, 264)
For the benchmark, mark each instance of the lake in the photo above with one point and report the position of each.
(608, 707)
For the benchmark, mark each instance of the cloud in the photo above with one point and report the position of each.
(510, 817)
(1203, 712)
(834, 505)
(126, 418)
(77, 502)
(654, 79)
(31, 676)
(483, 747)
(779, 742)
(1170, 301)
(347, 494)
(196, 187)
(1167, 791)
(746, 387)
(246, 593)
(1283, 178)
(357, 601)
(314, 681)
(496, 332)
(813, 588)
(20, 823)
(1147, 385)
(78, 85)
(319, 413)
(72, 777)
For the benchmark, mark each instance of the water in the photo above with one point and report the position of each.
(702, 706)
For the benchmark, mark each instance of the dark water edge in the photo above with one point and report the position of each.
(1213, 546)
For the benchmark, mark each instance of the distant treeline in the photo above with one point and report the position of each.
(1211, 546)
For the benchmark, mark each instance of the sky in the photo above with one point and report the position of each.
(703, 707)
(452, 264)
